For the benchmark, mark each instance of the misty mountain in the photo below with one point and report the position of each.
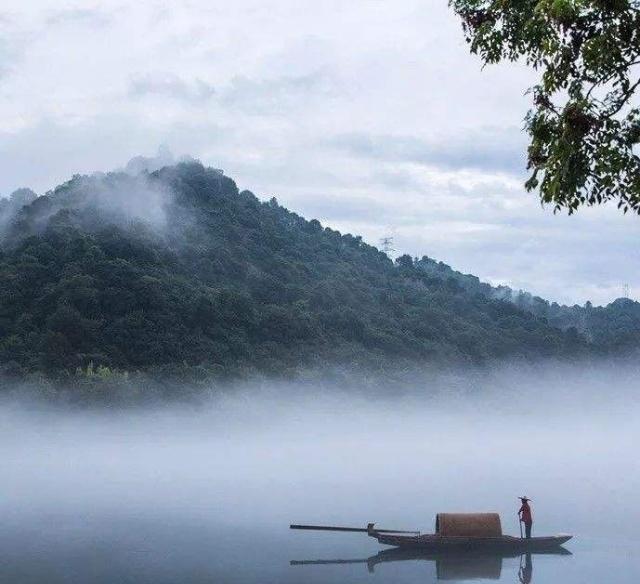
(611, 328)
(178, 273)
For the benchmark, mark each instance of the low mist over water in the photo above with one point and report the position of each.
(205, 492)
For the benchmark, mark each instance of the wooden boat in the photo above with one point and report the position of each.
(457, 543)
(455, 532)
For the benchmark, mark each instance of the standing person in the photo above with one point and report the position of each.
(524, 513)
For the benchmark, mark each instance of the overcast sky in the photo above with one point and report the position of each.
(369, 115)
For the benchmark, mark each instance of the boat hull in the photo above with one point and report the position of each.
(440, 543)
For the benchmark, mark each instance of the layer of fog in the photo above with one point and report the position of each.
(267, 455)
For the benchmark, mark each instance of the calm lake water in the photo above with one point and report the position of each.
(206, 493)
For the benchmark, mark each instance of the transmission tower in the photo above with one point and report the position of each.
(625, 291)
(386, 244)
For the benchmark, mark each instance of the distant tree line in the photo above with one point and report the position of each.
(613, 329)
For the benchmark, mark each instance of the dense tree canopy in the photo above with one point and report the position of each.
(585, 121)
(222, 284)
(613, 329)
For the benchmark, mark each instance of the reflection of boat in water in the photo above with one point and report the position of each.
(481, 564)
(456, 532)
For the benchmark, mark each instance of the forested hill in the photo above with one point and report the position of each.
(178, 273)
(614, 328)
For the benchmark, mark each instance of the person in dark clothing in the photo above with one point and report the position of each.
(525, 516)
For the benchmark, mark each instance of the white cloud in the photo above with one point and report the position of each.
(487, 149)
(172, 86)
(76, 16)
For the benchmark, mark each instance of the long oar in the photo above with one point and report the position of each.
(369, 529)
(326, 562)
(329, 528)
(520, 522)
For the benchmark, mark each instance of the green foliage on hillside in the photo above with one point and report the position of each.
(179, 274)
(611, 329)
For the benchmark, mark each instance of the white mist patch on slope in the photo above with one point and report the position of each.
(137, 198)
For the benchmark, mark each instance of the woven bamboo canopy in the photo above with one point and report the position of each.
(469, 524)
